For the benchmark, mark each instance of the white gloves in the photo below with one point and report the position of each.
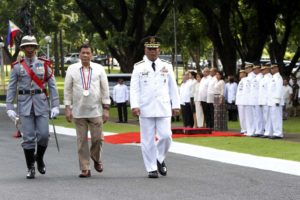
(54, 112)
(12, 115)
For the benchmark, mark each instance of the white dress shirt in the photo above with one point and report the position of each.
(230, 91)
(220, 88)
(287, 92)
(196, 91)
(182, 93)
(203, 88)
(120, 93)
(211, 89)
(86, 106)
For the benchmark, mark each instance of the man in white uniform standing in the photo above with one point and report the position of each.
(257, 109)
(249, 104)
(241, 101)
(275, 102)
(154, 98)
(263, 98)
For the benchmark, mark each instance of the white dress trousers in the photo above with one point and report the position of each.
(155, 150)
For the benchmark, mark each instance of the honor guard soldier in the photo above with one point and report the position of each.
(241, 97)
(263, 97)
(275, 102)
(249, 104)
(154, 98)
(29, 79)
(257, 109)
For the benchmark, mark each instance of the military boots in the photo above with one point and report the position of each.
(39, 159)
(29, 156)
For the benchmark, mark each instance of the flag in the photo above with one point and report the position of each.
(12, 31)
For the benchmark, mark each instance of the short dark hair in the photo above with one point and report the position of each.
(84, 46)
(221, 74)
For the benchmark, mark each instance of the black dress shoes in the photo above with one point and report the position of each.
(264, 136)
(31, 173)
(153, 174)
(162, 168)
(275, 137)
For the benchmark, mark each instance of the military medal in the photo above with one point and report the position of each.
(86, 93)
(86, 84)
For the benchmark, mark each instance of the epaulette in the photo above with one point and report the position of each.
(16, 62)
(44, 59)
(166, 61)
(142, 61)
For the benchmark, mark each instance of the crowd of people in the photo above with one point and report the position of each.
(261, 100)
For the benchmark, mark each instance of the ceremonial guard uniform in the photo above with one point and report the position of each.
(249, 101)
(257, 109)
(241, 101)
(29, 79)
(275, 101)
(154, 98)
(263, 98)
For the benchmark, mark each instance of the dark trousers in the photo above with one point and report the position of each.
(232, 112)
(122, 112)
(204, 108)
(188, 120)
(210, 115)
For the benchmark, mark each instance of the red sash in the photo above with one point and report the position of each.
(33, 77)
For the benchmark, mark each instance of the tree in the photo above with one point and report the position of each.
(122, 25)
(217, 14)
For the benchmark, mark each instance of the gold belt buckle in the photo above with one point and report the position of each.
(32, 92)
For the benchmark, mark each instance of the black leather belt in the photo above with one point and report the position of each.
(32, 92)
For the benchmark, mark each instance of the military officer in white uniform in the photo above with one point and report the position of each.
(263, 98)
(257, 109)
(241, 101)
(276, 102)
(29, 79)
(249, 104)
(154, 98)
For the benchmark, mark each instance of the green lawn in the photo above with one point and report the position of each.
(261, 147)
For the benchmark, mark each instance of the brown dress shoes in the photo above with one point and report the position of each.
(98, 166)
(85, 174)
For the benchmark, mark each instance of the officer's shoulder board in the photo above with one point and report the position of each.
(166, 61)
(138, 63)
(16, 62)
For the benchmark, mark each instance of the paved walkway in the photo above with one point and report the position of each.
(241, 159)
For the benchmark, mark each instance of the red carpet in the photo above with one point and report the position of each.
(134, 137)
